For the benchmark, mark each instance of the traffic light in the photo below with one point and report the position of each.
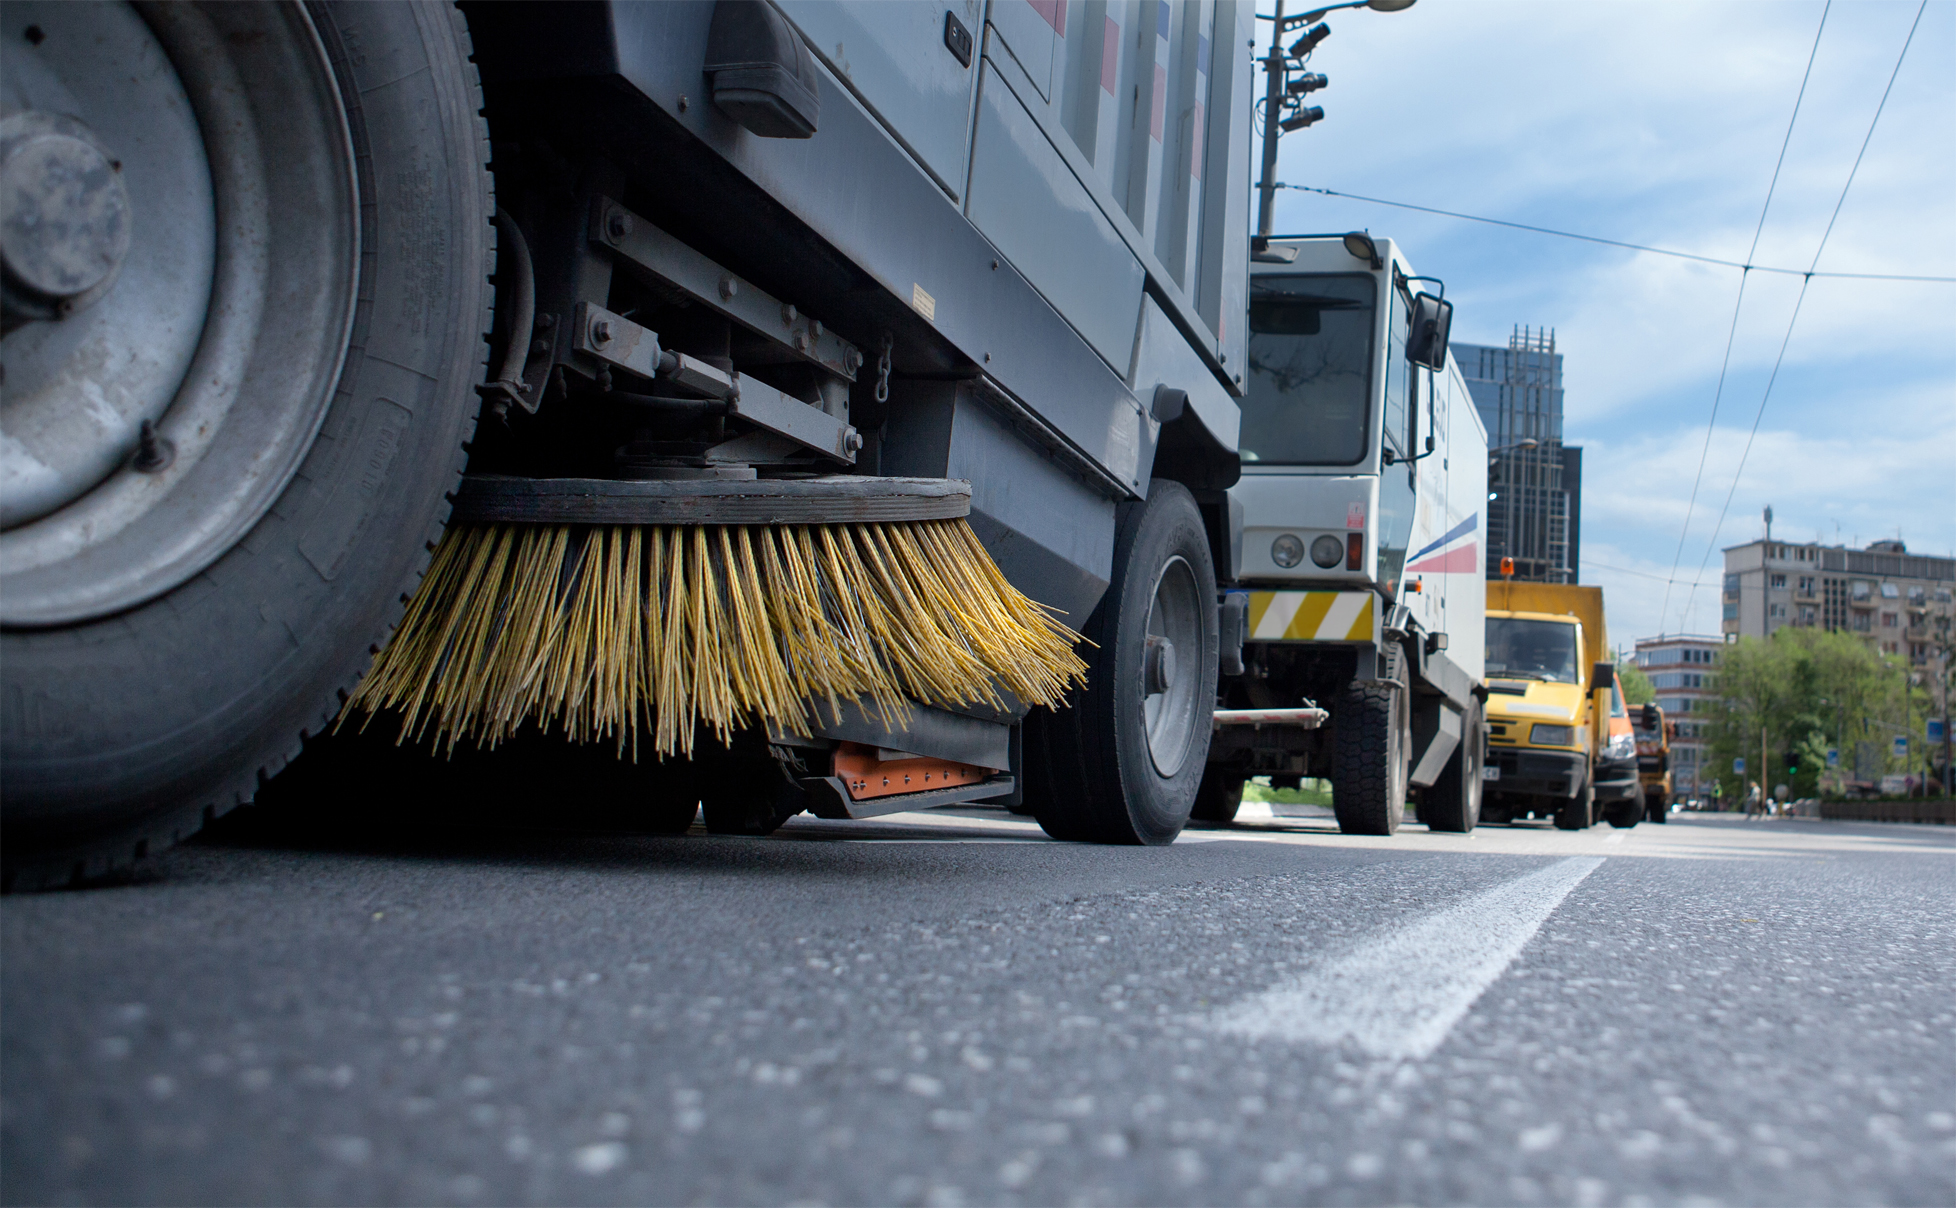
(1793, 762)
(1309, 42)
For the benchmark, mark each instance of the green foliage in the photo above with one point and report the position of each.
(1637, 688)
(1800, 692)
(1313, 792)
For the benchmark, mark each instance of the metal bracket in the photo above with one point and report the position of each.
(652, 252)
(616, 340)
(761, 404)
(829, 797)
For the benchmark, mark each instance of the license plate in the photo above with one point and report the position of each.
(1490, 772)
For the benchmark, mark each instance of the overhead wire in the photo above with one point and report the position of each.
(1634, 247)
(1795, 318)
(1731, 333)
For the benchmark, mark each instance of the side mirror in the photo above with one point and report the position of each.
(1432, 320)
(1602, 676)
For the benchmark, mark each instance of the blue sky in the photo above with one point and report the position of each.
(1659, 124)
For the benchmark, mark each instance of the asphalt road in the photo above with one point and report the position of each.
(945, 1008)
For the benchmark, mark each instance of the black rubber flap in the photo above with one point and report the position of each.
(763, 76)
(842, 499)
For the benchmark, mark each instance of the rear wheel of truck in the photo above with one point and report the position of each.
(1626, 814)
(1219, 795)
(297, 223)
(1454, 802)
(1370, 736)
(1579, 812)
(1122, 764)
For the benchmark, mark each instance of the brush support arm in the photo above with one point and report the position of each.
(844, 499)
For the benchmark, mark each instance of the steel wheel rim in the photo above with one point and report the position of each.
(274, 320)
(1169, 717)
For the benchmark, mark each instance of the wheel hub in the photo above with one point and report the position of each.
(164, 373)
(1159, 666)
(1168, 681)
(64, 213)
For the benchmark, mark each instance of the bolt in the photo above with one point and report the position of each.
(801, 341)
(601, 332)
(728, 288)
(539, 347)
(153, 453)
(815, 326)
(852, 440)
(619, 224)
(546, 321)
(788, 314)
(685, 104)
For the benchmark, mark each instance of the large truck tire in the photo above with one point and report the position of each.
(289, 482)
(1123, 762)
(1371, 733)
(1579, 812)
(1453, 804)
(1219, 796)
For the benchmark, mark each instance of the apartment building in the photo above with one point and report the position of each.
(1680, 667)
(1901, 603)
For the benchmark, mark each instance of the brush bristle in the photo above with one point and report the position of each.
(605, 633)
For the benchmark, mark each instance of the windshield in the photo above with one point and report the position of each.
(1310, 370)
(1544, 650)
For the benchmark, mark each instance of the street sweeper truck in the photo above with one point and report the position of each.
(1352, 631)
(767, 397)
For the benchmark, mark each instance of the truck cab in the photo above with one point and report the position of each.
(1357, 603)
(1653, 733)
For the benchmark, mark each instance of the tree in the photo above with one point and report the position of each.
(1801, 691)
(1637, 688)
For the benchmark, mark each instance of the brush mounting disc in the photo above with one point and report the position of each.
(840, 499)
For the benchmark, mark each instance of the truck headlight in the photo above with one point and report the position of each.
(1326, 551)
(1552, 736)
(1623, 746)
(1287, 551)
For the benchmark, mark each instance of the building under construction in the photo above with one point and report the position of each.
(1534, 510)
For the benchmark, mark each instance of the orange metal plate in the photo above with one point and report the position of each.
(868, 777)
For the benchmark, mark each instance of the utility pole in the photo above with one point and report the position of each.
(1273, 97)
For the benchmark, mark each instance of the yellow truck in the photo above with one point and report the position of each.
(1560, 742)
(1654, 761)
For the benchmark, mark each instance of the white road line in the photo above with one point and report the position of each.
(1400, 994)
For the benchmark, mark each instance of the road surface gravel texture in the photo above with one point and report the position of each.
(946, 1008)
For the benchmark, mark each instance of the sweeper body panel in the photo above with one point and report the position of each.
(833, 366)
(1361, 595)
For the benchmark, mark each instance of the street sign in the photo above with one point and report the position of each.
(1938, 727)
(1901, 746)
(1833, 757)
(1738, 766)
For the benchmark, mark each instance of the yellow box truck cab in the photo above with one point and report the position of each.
(1560, 742)
(1654, 760)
